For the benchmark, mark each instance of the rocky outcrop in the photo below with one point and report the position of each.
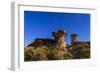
(56, 48)
(58, 39)
(48, 49)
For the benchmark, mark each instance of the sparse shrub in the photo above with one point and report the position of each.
(29, 53)
(46, 53)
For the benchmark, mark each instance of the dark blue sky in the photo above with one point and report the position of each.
(42, 24)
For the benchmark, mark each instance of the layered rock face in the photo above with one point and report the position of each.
(56, 48)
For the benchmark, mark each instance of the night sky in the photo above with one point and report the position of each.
(42, 24)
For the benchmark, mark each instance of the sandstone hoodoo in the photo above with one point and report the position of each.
(73, 38)
(56, 48)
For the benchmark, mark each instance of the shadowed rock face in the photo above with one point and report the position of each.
(41, 41)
